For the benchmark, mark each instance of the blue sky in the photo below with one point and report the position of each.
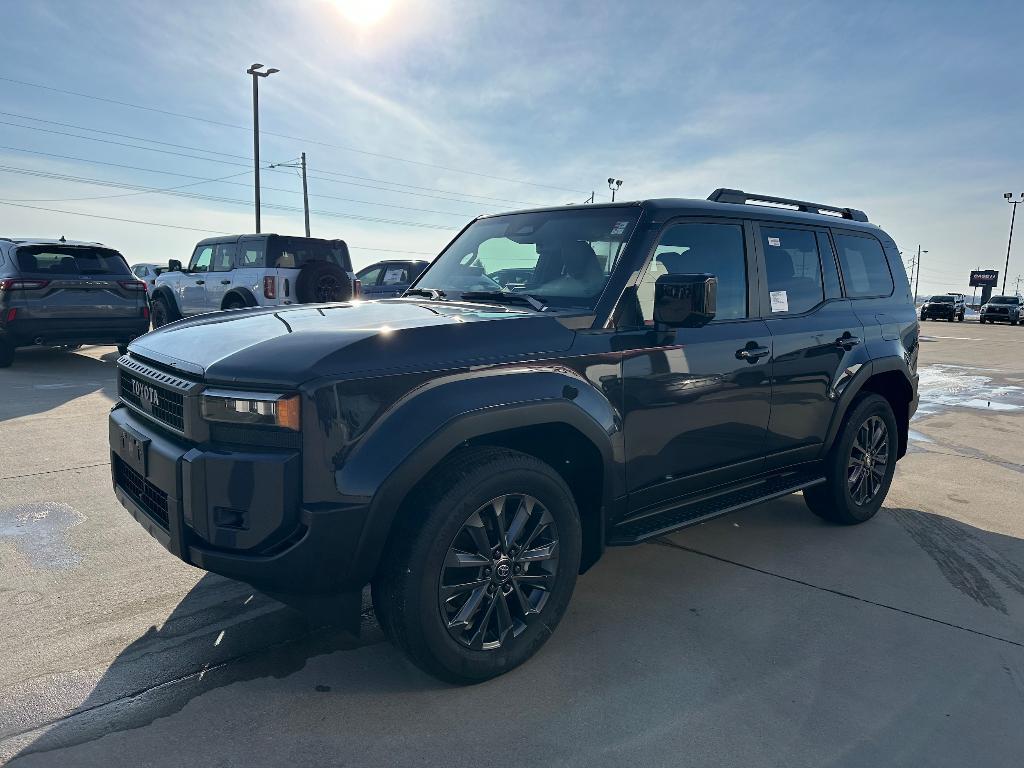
(910, 111)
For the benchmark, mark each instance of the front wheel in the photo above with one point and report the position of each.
(160, 312)
(860, 466)
(479, 573)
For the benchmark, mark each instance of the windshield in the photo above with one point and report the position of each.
(296, 252)
(564, 257)
(71, 260)
(942, 299)
(1003, 300)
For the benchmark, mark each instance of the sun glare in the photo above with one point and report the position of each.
(364, 13)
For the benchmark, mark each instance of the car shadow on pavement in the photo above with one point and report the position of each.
(45, 378)
(674, 631)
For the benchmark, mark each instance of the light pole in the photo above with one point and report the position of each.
(254, 70)
(613, 185)
(1014, 203)
(917, 280)
(305, 189)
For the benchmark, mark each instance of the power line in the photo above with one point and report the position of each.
(241, 157)
(214, 198)
(222, 180)
(287, 136)
(176, 226)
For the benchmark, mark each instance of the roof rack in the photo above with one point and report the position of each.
(740, 197)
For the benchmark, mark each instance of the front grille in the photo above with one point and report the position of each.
(998, 311)
(168, 408)
(152, 500)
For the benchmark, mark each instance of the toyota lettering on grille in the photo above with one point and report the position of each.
(146, 394)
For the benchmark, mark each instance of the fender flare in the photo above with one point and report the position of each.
(165, 293)
(243, 293)
(558, 397)
(855, 385)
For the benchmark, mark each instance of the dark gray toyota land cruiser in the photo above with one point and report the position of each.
(469, 448)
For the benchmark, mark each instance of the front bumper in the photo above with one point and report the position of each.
(937, 314)
(1002, 317)
(236, 513)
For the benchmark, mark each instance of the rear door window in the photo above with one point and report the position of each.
(223, 257)
(793, 269)
(71, 260)
(865, 270)
(395, 274)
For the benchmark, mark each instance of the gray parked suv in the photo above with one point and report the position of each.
(65, 293)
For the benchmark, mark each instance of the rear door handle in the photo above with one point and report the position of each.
(200, 282)
(847, 342)
(752, 353)
(225, 282)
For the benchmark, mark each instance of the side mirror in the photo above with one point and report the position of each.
(685, 300)
(174, 265)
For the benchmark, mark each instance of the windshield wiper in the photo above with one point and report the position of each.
(430, 293)
(507, 296)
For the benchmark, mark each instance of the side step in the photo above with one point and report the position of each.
(693, 511)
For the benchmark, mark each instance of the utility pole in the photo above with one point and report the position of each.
(254, 70)
(305, 188)
(613, 185)
(1014, 203)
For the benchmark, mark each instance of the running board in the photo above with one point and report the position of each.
(688, 513)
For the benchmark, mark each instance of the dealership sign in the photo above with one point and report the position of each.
(984, 277)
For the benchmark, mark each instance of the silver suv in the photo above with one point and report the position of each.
(241, 271)
(67, 293)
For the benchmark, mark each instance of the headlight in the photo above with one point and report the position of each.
(258, 408)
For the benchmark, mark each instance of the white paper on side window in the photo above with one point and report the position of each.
(394, 275)
(780, 301)
(775, 241)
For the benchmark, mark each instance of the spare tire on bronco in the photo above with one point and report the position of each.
(322, 281)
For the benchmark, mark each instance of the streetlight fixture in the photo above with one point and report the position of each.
(613, 185)
(1014, 203)
(254, 70)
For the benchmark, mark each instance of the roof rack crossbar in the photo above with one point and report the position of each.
(740, 197)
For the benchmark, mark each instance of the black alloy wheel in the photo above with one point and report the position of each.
(159, 313)
(869, 458)
(328, 288)
(859, 466)
(499, 571)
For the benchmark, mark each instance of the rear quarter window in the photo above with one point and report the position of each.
(865, 268)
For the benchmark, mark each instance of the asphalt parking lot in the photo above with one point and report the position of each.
(762, 638)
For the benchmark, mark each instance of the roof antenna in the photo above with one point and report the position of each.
(62, 240)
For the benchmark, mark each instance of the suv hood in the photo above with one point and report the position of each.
(288, 346)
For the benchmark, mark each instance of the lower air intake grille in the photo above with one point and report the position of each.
(152, 500)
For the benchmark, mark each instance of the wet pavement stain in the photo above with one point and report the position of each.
(965, 561)
(39, 531)
(953, 386)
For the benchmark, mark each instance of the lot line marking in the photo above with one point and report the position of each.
(53, 471)
(673, 545)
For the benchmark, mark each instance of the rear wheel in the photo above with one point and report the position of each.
(860, 465)
(234, 302)
(6, 352)
(479, 574)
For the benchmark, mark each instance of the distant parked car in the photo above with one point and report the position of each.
(388, 278)
(148, 273)
(511, 277)
(240, 271)
(64, 293)
(944, 306)
(1003, 309)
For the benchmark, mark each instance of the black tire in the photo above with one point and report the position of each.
(960, 319)
(122, 349)
(407, 592)
(321, 281)
(161, 312)
(840, 498)
(234, 302)
(6, 352)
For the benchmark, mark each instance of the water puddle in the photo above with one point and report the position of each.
(953, 386)
(39, 531)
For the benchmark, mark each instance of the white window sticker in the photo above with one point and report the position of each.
(620, 227)
(394, 275)
(780, 301)
(776, 242)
